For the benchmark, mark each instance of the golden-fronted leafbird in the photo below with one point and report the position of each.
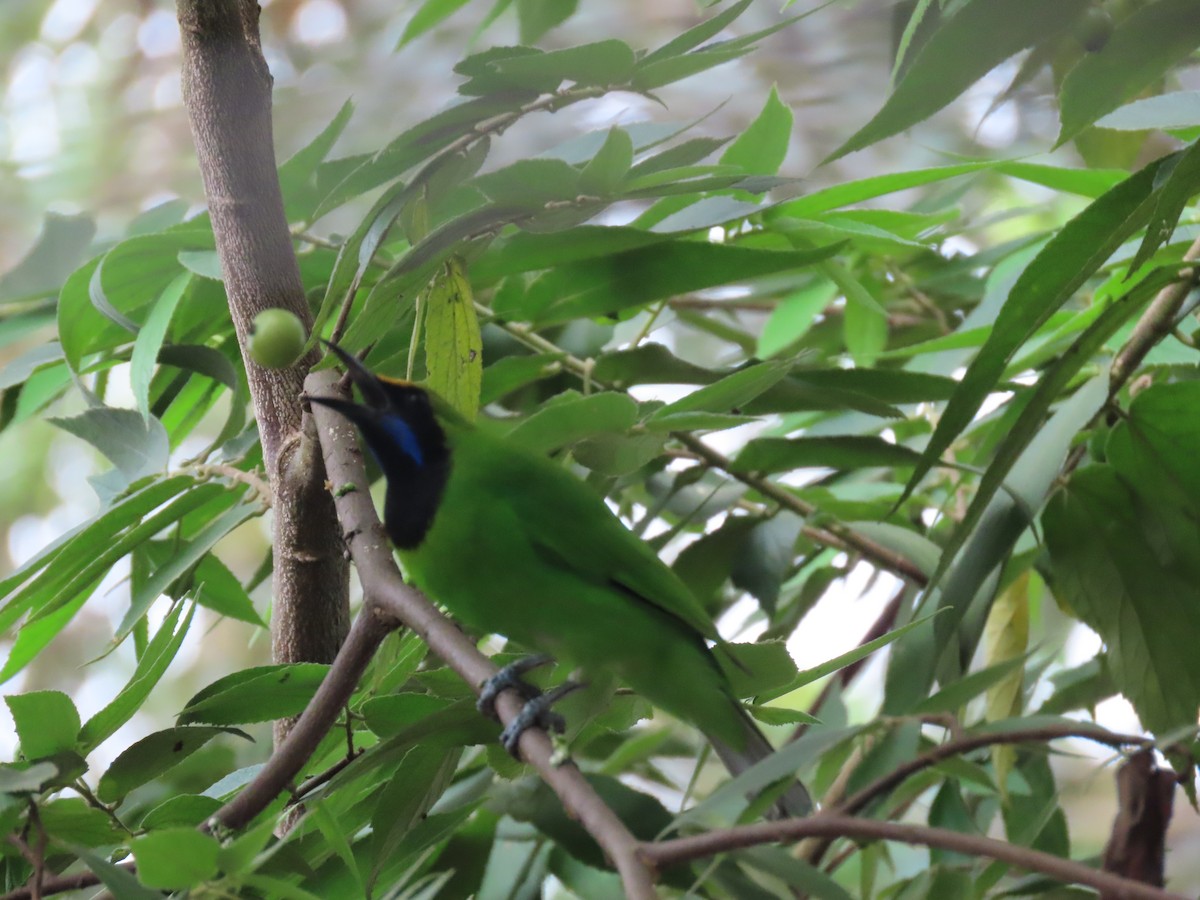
(516, 545)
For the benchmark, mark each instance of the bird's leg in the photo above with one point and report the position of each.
(537, 713)
(510, 678)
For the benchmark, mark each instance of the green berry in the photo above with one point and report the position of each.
(1094, 28)
(276, 338)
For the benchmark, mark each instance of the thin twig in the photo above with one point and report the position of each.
(834, 825)
(1155, 324)
(965, 744)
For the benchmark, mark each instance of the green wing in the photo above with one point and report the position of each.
(567, 521)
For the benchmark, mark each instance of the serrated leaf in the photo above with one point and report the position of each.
(1183, 181)
(1126, 568)
(72, 820)
(637, 277)
(58, 250)
(46, 722)
(255, 695)
(605, 171)
(1059, 269)
(845, 452)
(453, 346)
(137, 446)
(175, 858)
(150, 757)
(151, 666)
(150, 340)
(1100, 82)
(731, 392)
(976, 39)
(430, 13)
(571, 417)
(1179, 109)
(530, 183)
(761, 148)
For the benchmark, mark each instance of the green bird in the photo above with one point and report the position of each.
(513, 544)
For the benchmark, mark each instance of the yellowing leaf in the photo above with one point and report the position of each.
(453, 347)
(1005, 637)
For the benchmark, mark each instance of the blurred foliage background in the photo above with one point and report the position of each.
(91, 121)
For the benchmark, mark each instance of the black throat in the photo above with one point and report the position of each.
(410, 447)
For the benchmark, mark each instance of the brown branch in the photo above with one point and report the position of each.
(815, 852)
(279, 772)
(385, 590)
(1155, 324)
(835, 825)
(227, 93)
(967, 743)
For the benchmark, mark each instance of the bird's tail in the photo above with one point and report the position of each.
(795, 801)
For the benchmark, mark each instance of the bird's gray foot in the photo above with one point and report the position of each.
(536, 713)
(509, 678)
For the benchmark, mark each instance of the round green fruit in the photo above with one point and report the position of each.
(276, 338)
(1094, 28)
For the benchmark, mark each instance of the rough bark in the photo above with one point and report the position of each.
(227, 92)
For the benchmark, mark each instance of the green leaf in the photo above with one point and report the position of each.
(514, 372)
(779, 715)
(957, 694)
(1180, 109)
(70, 820)
(175, 858)
(569, 417)
(845, 452)
(536, 17)
(58, 250)
(181, 809)
(297, 180)
(120, 882)
(1127, 568)
(1060, 268)
(54, 566)
(851, 192)
(1008, 514)
(23, 778)
(150, 757)
(657, 73)
(638, 277)
(1100, 82)
(731, 392)
(150, 340)
(604, 63)
(151, 666)
(530, 183)
(260, 694)
(403, 802)
(389, 714)
(46, 722)
(976, 39)
(761, 148)
(453, 346)
(1183, 181)
(187, 555)
(698, 34)
(617, 454)
(808, 676)
(137, 446)
(606, 170)
(1030, 421)
(430, 14)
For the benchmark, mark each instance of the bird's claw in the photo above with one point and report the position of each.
(509, 678)
(537, 713)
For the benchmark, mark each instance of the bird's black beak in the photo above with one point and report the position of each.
(373, 394)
